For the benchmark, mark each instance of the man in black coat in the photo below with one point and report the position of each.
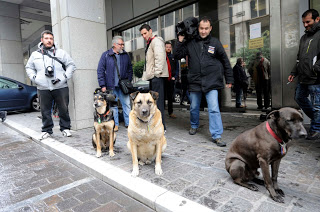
(208, 64)
(308, 72)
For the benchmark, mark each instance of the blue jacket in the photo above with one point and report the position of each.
(106, 67)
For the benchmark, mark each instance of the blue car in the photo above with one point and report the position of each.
(15, 95)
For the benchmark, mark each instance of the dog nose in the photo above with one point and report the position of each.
(144, 112)
(303, 133)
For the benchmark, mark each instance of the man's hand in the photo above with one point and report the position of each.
(290, 78)
(103, 89)
(180, 37)
(173, 78)
(228, 85)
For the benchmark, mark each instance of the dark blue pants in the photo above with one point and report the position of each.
(310, 107)
(61, 98)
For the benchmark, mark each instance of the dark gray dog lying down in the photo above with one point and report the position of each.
(261, 146)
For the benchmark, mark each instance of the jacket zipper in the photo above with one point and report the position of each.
(309, 45)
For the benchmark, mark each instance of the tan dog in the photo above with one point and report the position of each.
(104, 135)
(145, 131)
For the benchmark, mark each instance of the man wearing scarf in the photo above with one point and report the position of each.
(308, 72)
(208, 65)
(156, 68)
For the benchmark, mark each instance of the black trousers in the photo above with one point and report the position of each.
(263, 86)
(61, 98)
(157, 85)
(169, 90)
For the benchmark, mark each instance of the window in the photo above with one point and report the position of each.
(5, 84)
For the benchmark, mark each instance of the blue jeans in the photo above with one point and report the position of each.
(215, 122)
(239, 92)
(125, 102)
(310, 108)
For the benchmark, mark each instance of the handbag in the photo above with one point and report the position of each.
(125, 84)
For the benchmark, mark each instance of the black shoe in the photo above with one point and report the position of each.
(313, 135)
(219, 142)
(192, 131)
(3, 115)
(259, 108)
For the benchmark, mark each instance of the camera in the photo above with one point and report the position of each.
(54, 81)
(187, 28)
(49, 71)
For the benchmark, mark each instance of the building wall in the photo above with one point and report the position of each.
(11, 58)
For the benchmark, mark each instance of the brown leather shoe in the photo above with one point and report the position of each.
(116, 128)
(172, 116)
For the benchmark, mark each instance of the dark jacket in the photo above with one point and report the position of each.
(106, 67)
(240, 77)
(174, 66)
(308, 59)
(208, 63)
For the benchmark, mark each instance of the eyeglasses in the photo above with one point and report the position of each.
(120, 44)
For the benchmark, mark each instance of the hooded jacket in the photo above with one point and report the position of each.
(37, 63)
(208, 63)
(106, 67)
(308, 58)
(156, 60)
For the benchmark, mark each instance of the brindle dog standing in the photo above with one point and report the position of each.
(258, 148)
(104, 136)
(145, 131)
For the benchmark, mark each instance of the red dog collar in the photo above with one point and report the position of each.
(272, 133)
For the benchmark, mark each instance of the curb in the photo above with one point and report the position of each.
(155, 197)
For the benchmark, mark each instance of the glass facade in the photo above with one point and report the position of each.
(163, 26)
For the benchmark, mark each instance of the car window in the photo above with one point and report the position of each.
(5, 84)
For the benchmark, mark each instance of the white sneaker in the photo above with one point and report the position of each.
(44, 135)
(66, 133)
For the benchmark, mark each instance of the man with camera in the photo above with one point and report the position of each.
(115, 65)
(50, 68)
(208, 63)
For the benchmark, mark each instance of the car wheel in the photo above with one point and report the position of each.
(35, 104)
(177, 98)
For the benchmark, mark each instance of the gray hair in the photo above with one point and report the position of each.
(116, 38)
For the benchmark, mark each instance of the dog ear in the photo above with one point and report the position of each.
(155, 95)
(98, 90)
(134, 95)
(274, 114)
(109, 97)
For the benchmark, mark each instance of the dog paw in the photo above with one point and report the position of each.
(141, 163)
(98, 155)
(111, 154)
(253, 187)
(278, 198)
(135, 172)
(280, 192)
(158, 170)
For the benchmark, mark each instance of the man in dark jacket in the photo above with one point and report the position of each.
(208, 64)
(173, 68)
(240, 82)
(308, 70)
(108, 76)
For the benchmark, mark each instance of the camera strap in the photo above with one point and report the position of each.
(54, 58)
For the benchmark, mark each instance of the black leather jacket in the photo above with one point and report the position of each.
(208, 63)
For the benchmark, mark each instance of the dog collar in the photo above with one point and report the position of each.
(145, 121)
(283, 148)
(272, 133)
(104, 115)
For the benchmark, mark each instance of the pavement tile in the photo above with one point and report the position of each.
(86, 206)
(67, 204)
(236, 204)
(56, 184)
(87, 195)
(69, 193)
(111, 207)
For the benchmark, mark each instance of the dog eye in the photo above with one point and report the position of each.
(149, 102)
(139, 102)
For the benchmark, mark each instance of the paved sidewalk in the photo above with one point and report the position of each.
(194, 176)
